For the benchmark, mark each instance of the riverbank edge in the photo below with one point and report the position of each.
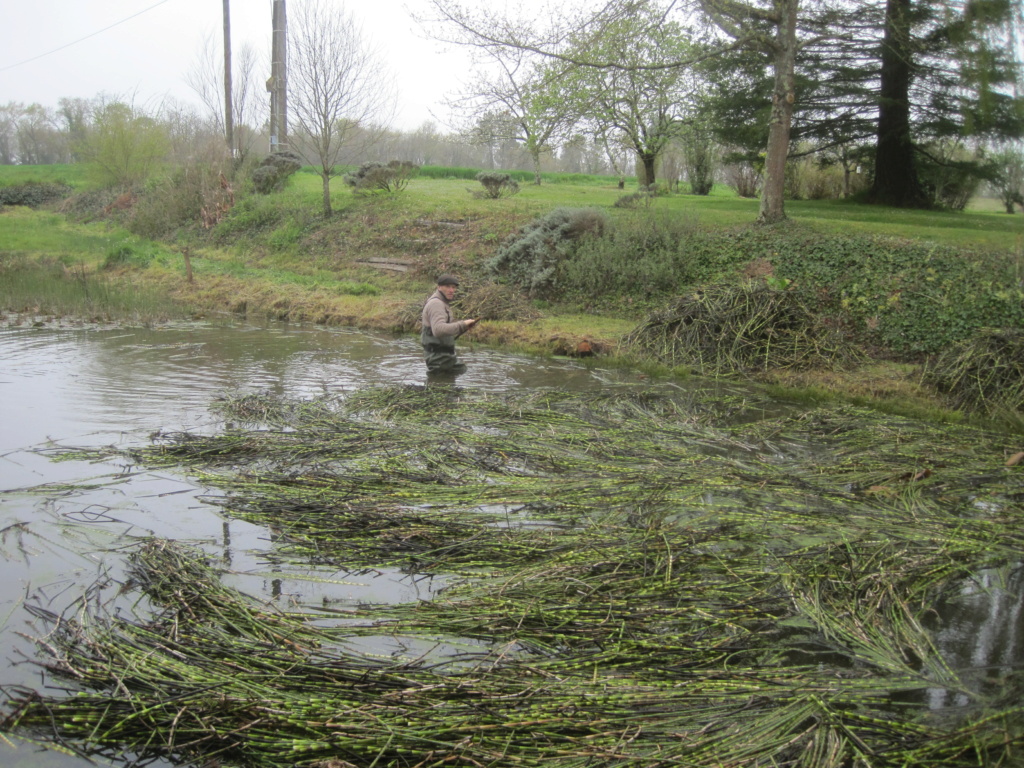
(884, 385)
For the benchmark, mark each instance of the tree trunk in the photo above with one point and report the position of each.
(649, 161)
(326, 176)
(896, 181)
(535, 154)
(783, 96)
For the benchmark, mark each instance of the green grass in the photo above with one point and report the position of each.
(72, 175)
(52, 235)
(50, 288)
(445, 194)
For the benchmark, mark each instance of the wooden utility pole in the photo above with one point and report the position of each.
(229, 120)
(278, 82)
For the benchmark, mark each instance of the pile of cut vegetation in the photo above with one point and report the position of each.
(740, 329)
(984, 374)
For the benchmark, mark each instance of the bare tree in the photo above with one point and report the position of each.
(206, 77)
(338, 88)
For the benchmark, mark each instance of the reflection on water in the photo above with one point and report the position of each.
(980, 630)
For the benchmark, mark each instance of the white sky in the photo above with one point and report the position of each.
(144, 48)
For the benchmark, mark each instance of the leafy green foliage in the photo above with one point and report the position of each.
(909, 297)
(33, 193)
(125, 146)
(134, 252)
(252, 214)
(645, 257)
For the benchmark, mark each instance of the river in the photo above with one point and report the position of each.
(80, 387)
(64, 523)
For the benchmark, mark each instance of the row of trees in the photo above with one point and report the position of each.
(915, 92)
(889, 84)
(37, 135)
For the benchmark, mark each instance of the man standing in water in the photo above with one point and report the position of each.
(440, 331)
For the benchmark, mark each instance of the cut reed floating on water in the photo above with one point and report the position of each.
(633, 583)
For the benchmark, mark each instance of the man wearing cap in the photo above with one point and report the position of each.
(440, 331)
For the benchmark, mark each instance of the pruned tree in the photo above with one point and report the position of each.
(338, 88)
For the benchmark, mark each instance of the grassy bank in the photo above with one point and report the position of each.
(901, 284)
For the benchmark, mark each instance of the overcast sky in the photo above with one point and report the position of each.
(83, 48)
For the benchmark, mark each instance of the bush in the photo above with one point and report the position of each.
(252, 214)
(274, 170)
(496, 185)
(529, 259)
(639, 199)
(129, 252)
(33, 193)
(646, 257)
(907, 297)
(378, 177)
(197, 193)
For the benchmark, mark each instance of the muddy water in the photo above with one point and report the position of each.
(63, 524)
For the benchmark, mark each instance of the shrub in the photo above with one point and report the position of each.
(908, 297)
(530, 258)
(33, 193)
(196, 193)
(129, 252)
(647, 257)
(639, 199)
(251, 214)
(378, 177)
(496, 185)
(124, 146)
(274, 170)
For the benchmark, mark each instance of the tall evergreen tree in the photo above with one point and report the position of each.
(898, 74)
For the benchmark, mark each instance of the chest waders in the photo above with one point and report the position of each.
(440, 350)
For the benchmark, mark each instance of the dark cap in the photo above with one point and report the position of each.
(447, 280)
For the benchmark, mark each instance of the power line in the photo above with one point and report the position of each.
(79, 40)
